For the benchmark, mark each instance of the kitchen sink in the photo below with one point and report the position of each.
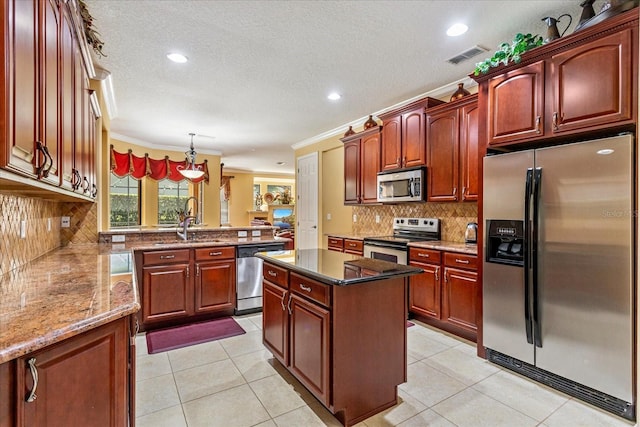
(186, 242)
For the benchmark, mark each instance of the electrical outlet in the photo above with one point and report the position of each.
(328, 217)
(48, 224)
(65, 222)
(23, 229)
(377, 219)
(355, 217)
(242, 233)
(118, 238)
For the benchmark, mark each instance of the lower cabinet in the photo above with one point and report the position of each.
(86, 380)
(179, 286)
(445, 295)
(349, 246)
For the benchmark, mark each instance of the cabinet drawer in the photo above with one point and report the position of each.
(165, 257)
(311, 289)
(335, 243)
(431, 256)
(452, 259)
(353, 246)
(221, 252)
(276, 275)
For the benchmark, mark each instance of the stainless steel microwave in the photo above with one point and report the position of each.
(406, 185)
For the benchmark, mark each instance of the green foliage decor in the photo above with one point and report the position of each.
(509, 52)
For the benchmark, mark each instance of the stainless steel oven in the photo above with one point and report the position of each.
(394, 248)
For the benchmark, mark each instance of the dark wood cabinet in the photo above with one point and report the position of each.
(84, 380)
(425, 288)
(335, 244)
(275, 320)
(581, 83)
(403, 135)
(445, 295)
(460, 290)
(47, 77)
(452, 133)
(361, 167)
(183, 285)
(350, 246)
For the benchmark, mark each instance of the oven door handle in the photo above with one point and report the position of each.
(385, 245)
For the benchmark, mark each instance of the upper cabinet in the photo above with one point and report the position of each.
(46, 123)
(403, 135)
(361, 166)
(580, 83)
(452, 151)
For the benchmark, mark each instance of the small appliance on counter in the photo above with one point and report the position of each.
(471, 233)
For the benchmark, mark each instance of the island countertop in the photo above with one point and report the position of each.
(62, 294)
(337, 268)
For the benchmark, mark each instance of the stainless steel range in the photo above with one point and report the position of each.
(394, 248)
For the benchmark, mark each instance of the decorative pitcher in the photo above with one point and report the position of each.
(552, 27)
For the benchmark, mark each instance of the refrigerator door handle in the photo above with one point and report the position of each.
(527, 253)
(537, 184)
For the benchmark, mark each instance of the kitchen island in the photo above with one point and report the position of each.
(338, 323)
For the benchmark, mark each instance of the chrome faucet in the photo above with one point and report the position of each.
(186, 221)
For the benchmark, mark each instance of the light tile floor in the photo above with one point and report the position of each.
(235, 382)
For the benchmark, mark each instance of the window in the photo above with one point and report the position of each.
(124, 201)
(171, 200)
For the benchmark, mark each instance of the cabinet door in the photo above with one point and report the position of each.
(391, 143)
(516, 105)
(469, 156)
(352, 172)
(443, 175)
(369, 168)
(309, 358)
(459, 298)
(275, 321)
(81, 381)
(592, 84)
(424, 291)
(19, 153)
(413, 146)
(67, 100)
(167, 293)
(215, 286)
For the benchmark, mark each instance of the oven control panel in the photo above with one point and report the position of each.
(417, 224)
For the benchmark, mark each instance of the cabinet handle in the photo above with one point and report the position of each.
(40, 170)
(305, 288)
(197, 270)
(86, 187)
(464, 190)
(404, 161)
(34, 374)
(94, 192)
(462, 261)
(555, 121)
(398, 162)
(215, 253)
(437, 274)
(187, 271)
(167, 256)
(282, 301)
(446, 276)
(353, 245)
(45, 173)
(423, 255)
(455, 191)
(289, 303)
(76, 180)
(538, 124)
(272, 273)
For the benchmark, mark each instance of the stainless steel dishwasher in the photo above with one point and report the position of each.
(249, 276)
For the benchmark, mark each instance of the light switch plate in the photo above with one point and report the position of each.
(242, 233)
(377, 219)
(118, 238)
(48, 224)
(255, 233)
(355, 217)
(23, 229)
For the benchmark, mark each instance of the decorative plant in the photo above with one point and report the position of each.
(509, 52)
(90, 33)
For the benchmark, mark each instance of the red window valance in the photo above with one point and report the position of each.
(123, 164)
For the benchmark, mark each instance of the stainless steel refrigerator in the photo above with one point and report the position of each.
(559, 265)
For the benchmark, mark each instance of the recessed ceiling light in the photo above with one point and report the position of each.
(334, 96)
(177, 57)
(457, 30)
(605, 151)
(280, 163)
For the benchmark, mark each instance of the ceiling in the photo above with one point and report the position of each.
(259, 72)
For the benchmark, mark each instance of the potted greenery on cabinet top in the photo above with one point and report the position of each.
(509, 52)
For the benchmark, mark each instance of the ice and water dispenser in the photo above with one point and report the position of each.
(505, 242)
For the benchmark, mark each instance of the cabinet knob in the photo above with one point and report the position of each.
(538, 124)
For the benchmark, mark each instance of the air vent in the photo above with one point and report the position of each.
(467, 54)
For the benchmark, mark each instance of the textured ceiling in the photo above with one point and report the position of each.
(259, 72)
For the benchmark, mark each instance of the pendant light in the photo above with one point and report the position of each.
(191, 171)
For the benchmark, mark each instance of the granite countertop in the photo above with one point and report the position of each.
(349, 235)
(64, 293)
(206, 243)
(443, 245)
(337, 268)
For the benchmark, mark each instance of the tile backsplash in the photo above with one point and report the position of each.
(454, 217)
(43, 232)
